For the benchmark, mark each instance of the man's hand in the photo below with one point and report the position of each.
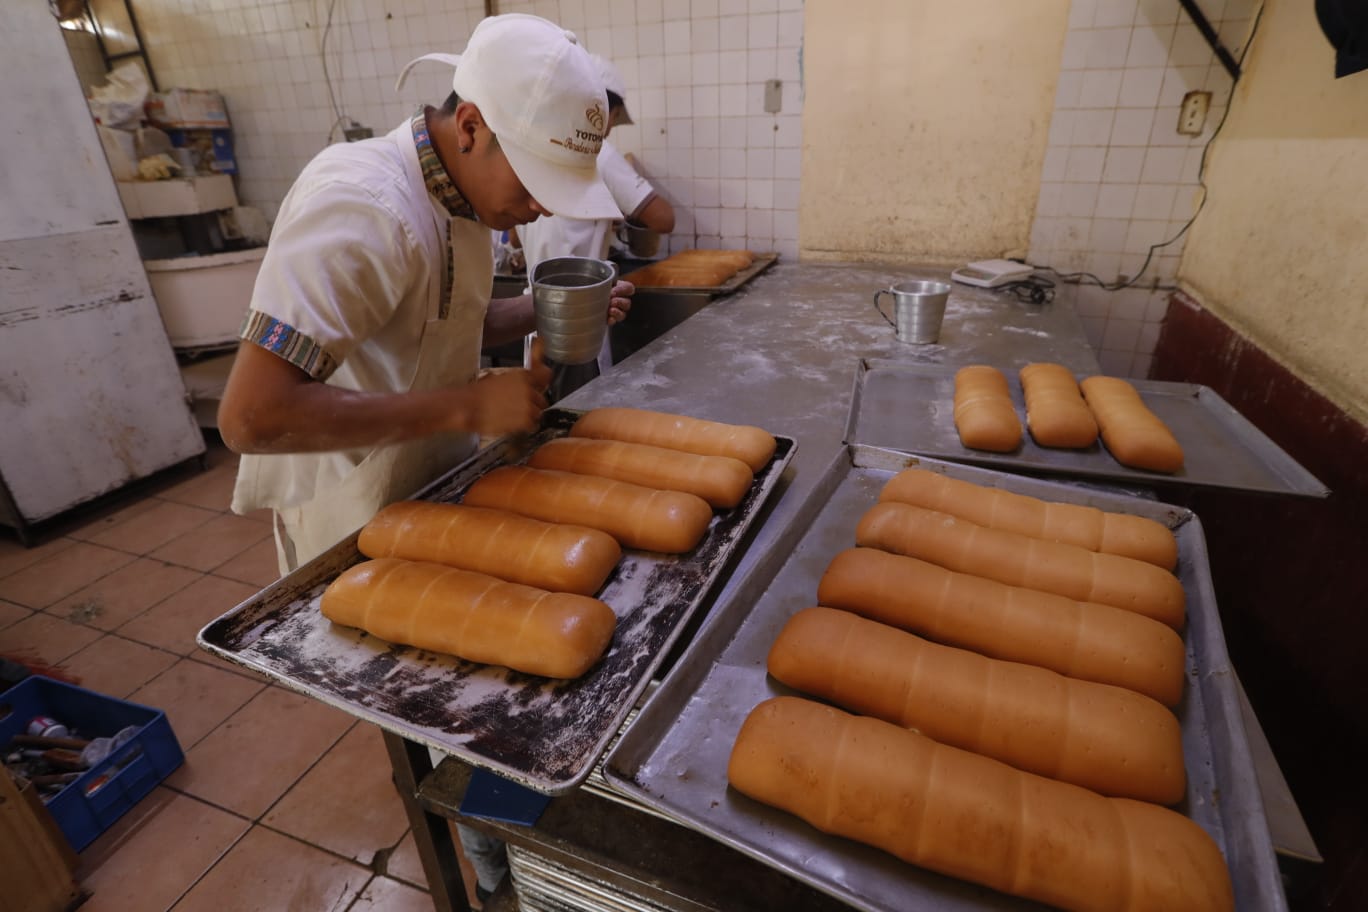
(621, 301)
(507, 401)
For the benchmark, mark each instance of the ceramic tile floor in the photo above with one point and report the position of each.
(283, 802)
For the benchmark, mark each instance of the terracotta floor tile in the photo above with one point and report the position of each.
(257, 565)
(212, 490)
(52, 579)
(347, 803)
(41, 636)
(263, 515)
(124, 594)
(196, 698)
(15, 557)
(254, 757)
(173, 623)
(403, 864)
(11, 613)
(116, 667)
(163, 522)
(385, 895)
(222, 538)
(268, 871)
(156, 852)
(89, 525)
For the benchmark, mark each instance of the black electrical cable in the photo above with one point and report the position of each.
(1077, 278)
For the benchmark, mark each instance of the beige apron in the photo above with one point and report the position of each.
(449, 355)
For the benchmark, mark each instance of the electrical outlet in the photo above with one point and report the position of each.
(1192, 115)
(774, 96)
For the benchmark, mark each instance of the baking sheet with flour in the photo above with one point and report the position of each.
(541, 733)
(910, 407)
(674, 757)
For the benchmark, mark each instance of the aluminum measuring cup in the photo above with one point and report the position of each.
(919, 308)
(570, 298)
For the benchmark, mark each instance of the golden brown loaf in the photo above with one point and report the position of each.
(720, 480)
(1085, 640)
(1088, 527)
(1108, 739)
(1020, 560)
(669, 521)
(554, 556)
(692, 269)
(1134, 435)
(972, 817)
(984, 416)
(472, 616)
(1056, 414)
(751, 445)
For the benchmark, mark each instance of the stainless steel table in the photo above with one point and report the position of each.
(780, 354)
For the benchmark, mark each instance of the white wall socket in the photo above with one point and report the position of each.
(1193, 114)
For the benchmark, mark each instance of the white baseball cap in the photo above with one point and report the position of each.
(540, 94)
(612, 80)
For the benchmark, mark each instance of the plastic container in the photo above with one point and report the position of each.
(202, 299)
(102, 794)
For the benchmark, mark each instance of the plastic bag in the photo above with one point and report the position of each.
(119, 102)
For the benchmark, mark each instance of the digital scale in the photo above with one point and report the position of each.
(992, 273)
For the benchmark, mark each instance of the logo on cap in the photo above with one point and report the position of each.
(585, 141)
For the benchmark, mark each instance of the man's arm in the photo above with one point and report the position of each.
(507, 320)
(655, 213)
(271, 406)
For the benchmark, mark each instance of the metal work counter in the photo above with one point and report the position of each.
(780, 354)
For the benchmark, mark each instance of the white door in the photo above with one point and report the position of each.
(90, 394)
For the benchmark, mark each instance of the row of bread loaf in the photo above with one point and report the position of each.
(1061, 412)
(1001, 670)
(507, 577)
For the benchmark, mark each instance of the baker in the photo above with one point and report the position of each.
(564, 234)
(357, 380)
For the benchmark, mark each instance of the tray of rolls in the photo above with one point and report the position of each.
(512, 613)
(929, 697)
(1202, 440)
(706, 271)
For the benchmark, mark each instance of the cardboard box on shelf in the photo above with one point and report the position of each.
(211, 150)
(187, 109)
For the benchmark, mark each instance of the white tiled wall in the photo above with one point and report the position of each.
(695, 74)
(1118, 177)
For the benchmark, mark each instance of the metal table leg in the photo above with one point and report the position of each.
(431, 833)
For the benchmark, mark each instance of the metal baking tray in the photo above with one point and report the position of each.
(761, 262)
(910, 407)
(674, 757)
(541, 733)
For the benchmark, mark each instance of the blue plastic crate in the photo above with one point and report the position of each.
(102, 794)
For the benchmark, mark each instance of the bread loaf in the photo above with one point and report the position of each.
(720, 480)
(692, 268)
(751, 445)
(553, 556)
(984, 415)
(1056, 414)
(1134, 435)
(1020, 560)
(971, 817)
(472, 616)
(1084, 640)
(1108, 739)
(1088, 527)
(669, 521)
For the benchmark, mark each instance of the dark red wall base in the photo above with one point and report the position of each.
(1291, 579)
